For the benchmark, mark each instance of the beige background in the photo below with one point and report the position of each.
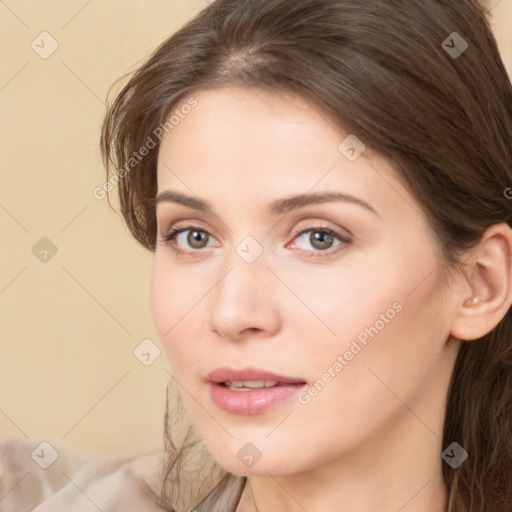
(69, 325)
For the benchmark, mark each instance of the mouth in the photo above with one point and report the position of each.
(250, 385)
(251, 391)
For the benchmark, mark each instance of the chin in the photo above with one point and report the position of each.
(247, 458)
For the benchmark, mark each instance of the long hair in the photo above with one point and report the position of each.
(422, 83)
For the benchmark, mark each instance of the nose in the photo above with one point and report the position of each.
(245, 302)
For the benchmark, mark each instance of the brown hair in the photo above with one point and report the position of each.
(380, 70)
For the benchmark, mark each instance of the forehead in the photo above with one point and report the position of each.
(247, 130)
(246, 142)
(235, 121)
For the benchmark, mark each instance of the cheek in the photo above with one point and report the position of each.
(387, 352)
(160, 306)
(166, 305)
(336, 307)
(381, 327)
(176, 307)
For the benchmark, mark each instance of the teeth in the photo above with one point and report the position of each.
(248, 385)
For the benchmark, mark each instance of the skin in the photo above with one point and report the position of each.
(371, 439)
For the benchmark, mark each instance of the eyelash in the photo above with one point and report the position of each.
(170, 239)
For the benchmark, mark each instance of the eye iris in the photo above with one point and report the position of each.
(195, 238)
(321, 239)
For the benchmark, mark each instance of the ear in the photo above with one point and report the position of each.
(490, 265)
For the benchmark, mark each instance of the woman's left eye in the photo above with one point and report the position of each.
(321, 239)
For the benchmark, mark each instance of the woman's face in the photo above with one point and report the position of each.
(300, 304)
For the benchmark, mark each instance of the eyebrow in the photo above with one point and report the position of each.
(277, 207)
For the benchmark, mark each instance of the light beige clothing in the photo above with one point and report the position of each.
(129, 482)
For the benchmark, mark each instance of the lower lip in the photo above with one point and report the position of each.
(252, 402)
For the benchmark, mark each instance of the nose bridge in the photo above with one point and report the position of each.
(242, 298)
(245, 276)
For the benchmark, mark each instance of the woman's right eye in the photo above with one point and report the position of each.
(195, 238)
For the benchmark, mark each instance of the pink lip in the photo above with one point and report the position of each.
(224, 374)
(250, 402)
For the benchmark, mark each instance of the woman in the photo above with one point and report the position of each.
(325, 186)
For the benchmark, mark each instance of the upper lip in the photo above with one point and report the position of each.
(249, 374)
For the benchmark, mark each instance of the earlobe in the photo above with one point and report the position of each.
(487, 296)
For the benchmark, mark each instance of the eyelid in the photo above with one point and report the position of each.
(319, 224)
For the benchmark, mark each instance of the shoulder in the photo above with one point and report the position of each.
(50, 476)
